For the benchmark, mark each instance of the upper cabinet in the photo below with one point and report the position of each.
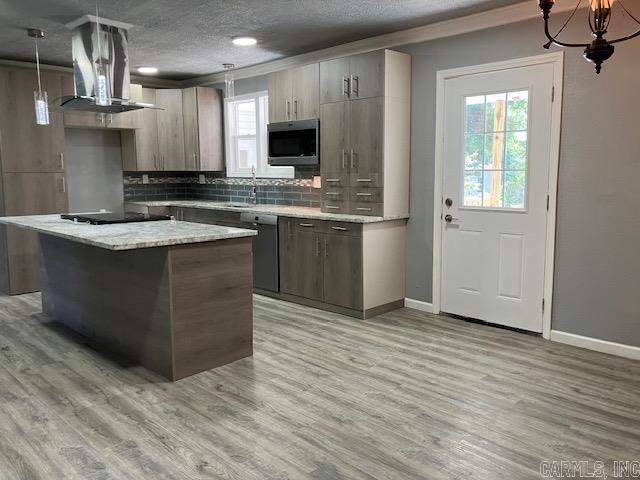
(184, 134)
(202, 112)
(294, 94)
(365, 142)
(25, 146)
(352, 78)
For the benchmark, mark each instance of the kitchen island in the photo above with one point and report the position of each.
(174, 297)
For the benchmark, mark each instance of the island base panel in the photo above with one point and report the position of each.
(175, 310)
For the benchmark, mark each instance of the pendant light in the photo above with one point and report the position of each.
(229, 81)
(40, 98)
(101, 71)
(600, 49)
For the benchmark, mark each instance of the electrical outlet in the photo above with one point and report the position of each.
(201, 179)
(145, 179)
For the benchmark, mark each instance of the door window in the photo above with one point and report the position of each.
(495, 150)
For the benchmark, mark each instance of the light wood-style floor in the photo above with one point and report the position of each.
(403, 396)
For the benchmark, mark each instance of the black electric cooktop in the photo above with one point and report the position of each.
(111, 218)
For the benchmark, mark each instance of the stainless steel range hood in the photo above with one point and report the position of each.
(100, 67)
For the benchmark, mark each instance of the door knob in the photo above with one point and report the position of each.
(449, 218)
(448, 202)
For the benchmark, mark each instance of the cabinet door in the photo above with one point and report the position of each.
(367, 75)
(300, 260)
(25, 146)
(334, 144)
(306, 92)
(334, 80)
(23, 257)
(35, 193)
(170, 130)
(280, 102)
(140, 146)
(343, 270)
(202, 111)
(367, 130)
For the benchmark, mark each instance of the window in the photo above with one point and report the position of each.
(246, 119)
(495, 150)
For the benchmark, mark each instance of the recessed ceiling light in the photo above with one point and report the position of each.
(244, 41)
(147, 70)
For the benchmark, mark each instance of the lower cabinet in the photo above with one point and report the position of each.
(321, 261)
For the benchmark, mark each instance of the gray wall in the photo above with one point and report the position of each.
(597, 278)
(94, 170)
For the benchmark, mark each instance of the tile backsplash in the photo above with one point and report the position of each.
(297, 191)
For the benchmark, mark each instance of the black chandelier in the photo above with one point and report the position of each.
(600, 49)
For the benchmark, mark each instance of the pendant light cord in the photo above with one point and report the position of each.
(38, 68)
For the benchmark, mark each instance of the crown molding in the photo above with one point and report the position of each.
(457, 26)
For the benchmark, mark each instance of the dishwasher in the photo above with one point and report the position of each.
(266, 272)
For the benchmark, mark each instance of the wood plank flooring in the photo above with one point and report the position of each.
(402, 396)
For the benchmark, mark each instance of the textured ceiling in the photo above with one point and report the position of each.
(187, 38)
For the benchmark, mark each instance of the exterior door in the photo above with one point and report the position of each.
(497, 140)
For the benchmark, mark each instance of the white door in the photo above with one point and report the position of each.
(497, 147)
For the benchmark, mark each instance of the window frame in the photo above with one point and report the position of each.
(263, 169)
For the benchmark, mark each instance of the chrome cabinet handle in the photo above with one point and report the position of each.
(317, 246)
(61, 161)
(326, 248)
(363, 180)
(333, 194)
(340, 229)
(353, 160)
(346, 86)
(363, 209)
(344, 154)
(63, 185)
(333, 207)
(355, 85)
(110, 118)
(362, 194)
(295, 108)
(306, 225)
(332, 180)
(288, 110)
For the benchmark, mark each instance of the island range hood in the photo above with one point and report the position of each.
(100, 67)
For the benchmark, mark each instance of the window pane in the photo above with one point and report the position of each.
(517, 110)
(474, 112)
(493, 151)
(495, 112)
(247, 152)
(516, 151)
(514, 189)
(246, 117)
(492, 188)
(473, 189)
(474, 147)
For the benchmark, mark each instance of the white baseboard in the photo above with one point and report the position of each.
(418, 305)
(589, 343)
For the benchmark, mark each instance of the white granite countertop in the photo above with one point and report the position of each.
(279, 210)
(128, 236)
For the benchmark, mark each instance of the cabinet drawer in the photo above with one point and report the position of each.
(329, 206)
(330, 180)
(335, 194)
(366, 180)
(366, 195)
(367, 208)
(293, 226)
(343, 228)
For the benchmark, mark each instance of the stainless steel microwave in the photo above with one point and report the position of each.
(294, 143)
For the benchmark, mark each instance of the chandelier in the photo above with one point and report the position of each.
(600, 49)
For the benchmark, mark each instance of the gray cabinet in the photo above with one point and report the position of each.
(170, 130)
(294, 94)
(351, 149)
(350, 78)
(301, 259)
(25, 146)
(343, 269)
(202, 112)
(140, 146)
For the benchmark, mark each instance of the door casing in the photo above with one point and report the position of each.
(557, 60)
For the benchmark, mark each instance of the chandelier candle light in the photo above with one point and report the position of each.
(40, 98)
(600, 49)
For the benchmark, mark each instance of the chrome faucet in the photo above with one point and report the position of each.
(253, 194)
